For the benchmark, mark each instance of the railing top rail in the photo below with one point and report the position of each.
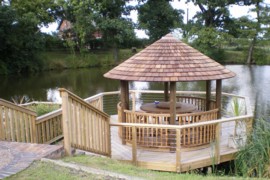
(39, 102)
(184, 126)
(19, 108)
(159, 91)
(47, 116)
(168, 115)
(101, 94)
(77, 98)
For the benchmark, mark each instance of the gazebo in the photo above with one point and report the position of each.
(169, 60)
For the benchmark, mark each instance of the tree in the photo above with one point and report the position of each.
(115, 28)
(45, 11)
(254, 31)
(213, 13)
(20, 41)
(105, 16)
(159, 18)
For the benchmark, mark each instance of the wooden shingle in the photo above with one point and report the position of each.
(169, 59)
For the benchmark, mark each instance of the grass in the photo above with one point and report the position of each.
(66, 60)
(234, 57)
(239, 57)
(43, 170)
(42, 109)
(254, 158)
(128, 169)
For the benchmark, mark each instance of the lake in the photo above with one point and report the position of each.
(251, 81)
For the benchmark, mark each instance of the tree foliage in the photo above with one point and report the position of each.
(112, 22)
(20, 41)
(104, 16)
(45, 11)
(159, 18)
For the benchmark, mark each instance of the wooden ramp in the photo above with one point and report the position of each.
(166, 161)
(16, 156)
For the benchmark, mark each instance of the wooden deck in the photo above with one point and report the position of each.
(166, 161)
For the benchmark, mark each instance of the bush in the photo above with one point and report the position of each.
(42, 109)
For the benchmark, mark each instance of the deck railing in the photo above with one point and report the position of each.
(160, 138)
(85, 127)
(49, 127)
(178, 165)
(17, 123)
(199, 102)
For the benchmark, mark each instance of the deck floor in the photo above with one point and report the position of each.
(190, 159)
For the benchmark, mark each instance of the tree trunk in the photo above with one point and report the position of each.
(254, 40)
(115, 53)
(250, 51)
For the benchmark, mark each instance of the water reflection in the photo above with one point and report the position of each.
(251, 81)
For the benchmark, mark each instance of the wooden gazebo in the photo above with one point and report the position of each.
(169, 60)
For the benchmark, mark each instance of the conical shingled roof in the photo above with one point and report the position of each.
(169, 59)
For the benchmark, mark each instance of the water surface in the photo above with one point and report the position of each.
(251, 81)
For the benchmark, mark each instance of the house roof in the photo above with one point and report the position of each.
(169, 60)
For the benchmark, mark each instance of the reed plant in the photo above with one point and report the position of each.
(236, 107)
(253, 159)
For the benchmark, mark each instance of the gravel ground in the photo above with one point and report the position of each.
(5, 157)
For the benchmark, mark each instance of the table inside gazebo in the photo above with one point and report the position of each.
(164, 107)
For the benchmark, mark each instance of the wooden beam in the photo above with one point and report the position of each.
(166, 91)
(66, 123)
(178, 150)
(134, 146)
(127, 95)
(217, 143)
(172, 115)
(124, 106)
(208, 94)
(218, 96)
(172, 102)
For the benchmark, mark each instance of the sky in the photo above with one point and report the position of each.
(235, 10)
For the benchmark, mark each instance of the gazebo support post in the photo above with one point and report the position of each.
(172, 102)
(218, 96)
(124, 105)
(166, 91)
(172, 115)
(208, 95)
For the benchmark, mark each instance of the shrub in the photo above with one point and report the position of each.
(42, 109)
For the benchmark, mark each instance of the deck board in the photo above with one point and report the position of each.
(190, 159)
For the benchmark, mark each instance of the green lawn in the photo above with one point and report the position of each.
(64, 59)
(44, 170)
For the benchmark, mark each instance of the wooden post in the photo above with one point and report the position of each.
(127, 94)
(101, 103)
(218, 96)
(134, 145)
(178, 150)
(133, 96)
(1, 125)
(124, 106)
(166, 91)
(34, 129)
(66, 121)
(109, 139)
(217, 144)
(172, 114)
(172, 102)
(208, 94)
